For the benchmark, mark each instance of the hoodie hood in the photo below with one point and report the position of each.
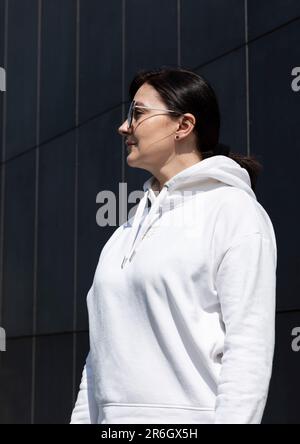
(217, 169)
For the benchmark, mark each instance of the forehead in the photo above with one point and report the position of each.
(146, 95)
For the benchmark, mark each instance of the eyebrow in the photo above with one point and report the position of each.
(140, 103)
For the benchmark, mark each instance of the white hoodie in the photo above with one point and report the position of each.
(182, 306)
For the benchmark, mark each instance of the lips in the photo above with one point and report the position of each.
(128, 142)
(130, 145)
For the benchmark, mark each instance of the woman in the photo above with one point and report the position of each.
(182, 305)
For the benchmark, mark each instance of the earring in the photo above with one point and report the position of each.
(176, 137)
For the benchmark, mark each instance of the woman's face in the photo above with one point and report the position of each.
(152, 131)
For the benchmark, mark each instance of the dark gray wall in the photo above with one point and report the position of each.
(68, 65)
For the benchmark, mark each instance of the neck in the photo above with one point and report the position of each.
(167, 171)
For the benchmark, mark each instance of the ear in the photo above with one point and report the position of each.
(189, 118)
(186, 125)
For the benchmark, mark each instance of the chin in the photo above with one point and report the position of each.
(130, 161)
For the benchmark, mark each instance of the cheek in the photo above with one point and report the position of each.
(157, 129)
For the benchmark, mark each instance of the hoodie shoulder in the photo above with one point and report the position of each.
(231, 195)
(239, 215)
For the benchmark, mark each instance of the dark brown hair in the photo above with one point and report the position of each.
(184, 91)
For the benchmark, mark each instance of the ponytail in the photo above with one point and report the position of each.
(250, 163)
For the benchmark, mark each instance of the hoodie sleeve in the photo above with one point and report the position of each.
(246, 287)
(85, 410)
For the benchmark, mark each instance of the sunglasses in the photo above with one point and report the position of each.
(133, 106)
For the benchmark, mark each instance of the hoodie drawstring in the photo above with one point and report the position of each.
(138, 230)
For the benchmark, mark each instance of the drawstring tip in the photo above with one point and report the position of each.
(131, 256)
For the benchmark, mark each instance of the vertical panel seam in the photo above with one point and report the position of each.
(123, 83)
(247, 78)
(77, 68)
(178, 33)
(3, 167)
(36, 212)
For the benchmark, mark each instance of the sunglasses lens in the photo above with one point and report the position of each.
(130, 114)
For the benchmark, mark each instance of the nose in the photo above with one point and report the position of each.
(123, 129)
